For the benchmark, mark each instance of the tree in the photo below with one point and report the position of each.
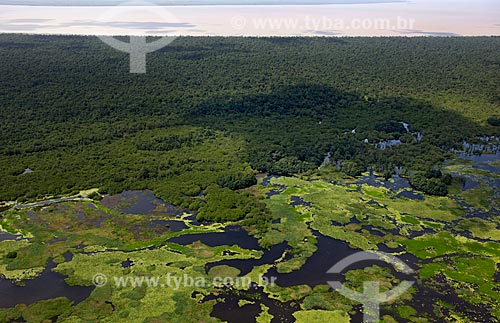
(352, 168)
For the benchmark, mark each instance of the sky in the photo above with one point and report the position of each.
(243, 17)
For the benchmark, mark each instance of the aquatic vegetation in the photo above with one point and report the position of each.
(196, 140)
(41, 311)
(479, 197)
(292, 228)
(386, 280)
(264, 316)
(480, 228)
(286, 294)
(407, 312)
(364, 216)
(7, 270)
(336, 203)
(321, 316)
(466, 167)
(159, 298)
(429, 246)
(323, 297)
(223, 271)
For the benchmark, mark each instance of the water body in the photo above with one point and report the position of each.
(276, 191)
(313, 273)
(172, 225)
(127, 263)
(272, 193)
(141, 202)
(330, 252)
(233, 235)
(246, 265)
(470, 184)
(267, 182)
(9, 236)
(410, 195)
(229, 310)
(297, 200)
(483, 161)
(396, 183)
(48, 285)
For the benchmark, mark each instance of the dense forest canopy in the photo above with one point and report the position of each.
(214, 111)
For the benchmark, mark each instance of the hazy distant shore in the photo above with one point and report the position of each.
(265, 18)
(93, 3)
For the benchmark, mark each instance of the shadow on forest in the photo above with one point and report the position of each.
(342, 110)
(306, 121)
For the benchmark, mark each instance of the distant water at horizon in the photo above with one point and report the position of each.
(95, 3)
(253, 17)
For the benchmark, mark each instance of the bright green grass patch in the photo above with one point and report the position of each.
(409, 219)
(243, 302)
(313, 316)
(433, 225)
(430, 246)
(443, 243)
(9, 251)
(375, 192)
(388, 319)
(223, 272)
(474, 270)
(264, 315)
(432, 207)
(406, 311)
(459, 162)
(333, 207)
(291, 265)
(472, 278)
